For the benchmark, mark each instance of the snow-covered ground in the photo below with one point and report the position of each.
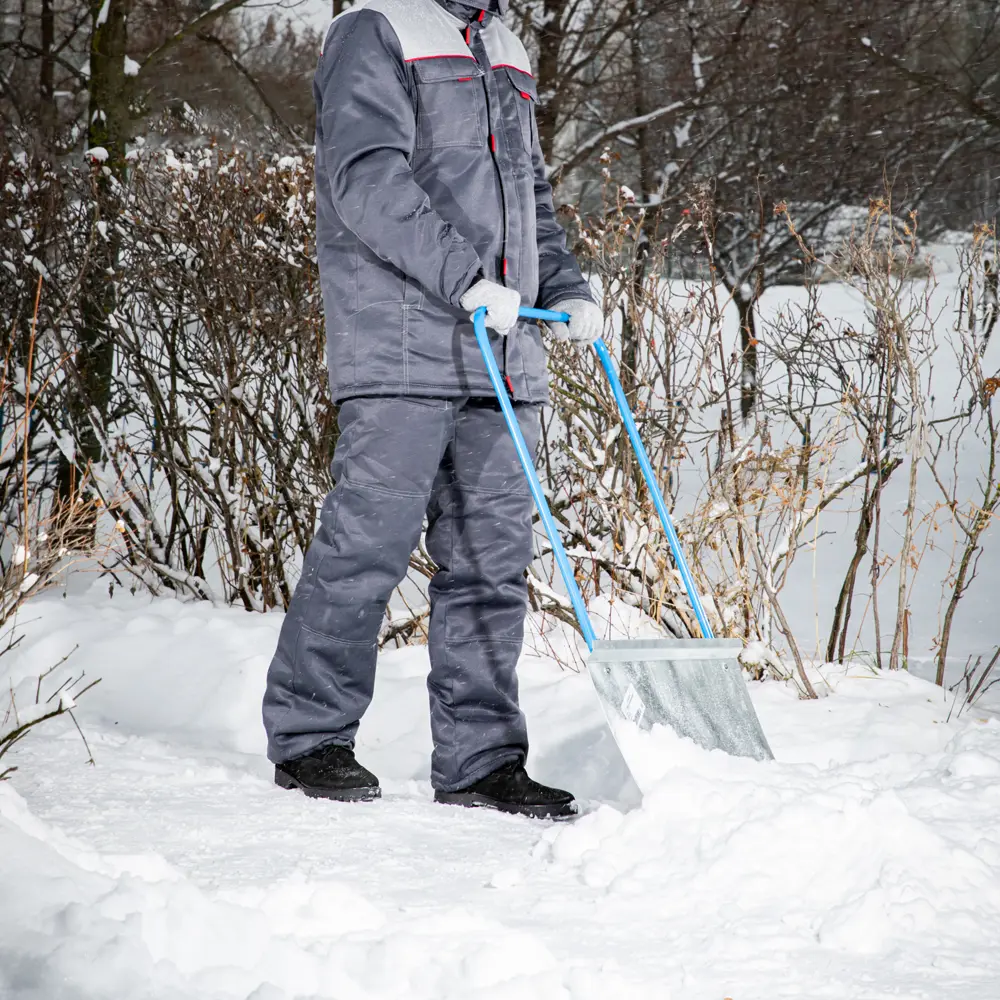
(864, 863)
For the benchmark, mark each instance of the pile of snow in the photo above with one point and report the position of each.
(875, 835)
(864, 863)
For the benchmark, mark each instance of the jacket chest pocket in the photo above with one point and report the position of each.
(520, 95)
(450, 104)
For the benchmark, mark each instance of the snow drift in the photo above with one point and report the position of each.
(864, 863)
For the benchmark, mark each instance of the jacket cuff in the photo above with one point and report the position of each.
(472, 274)
(567, 296)
(480, 275)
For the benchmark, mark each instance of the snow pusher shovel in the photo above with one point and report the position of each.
(693, 686)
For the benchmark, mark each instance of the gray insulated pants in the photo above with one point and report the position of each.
(397, 459)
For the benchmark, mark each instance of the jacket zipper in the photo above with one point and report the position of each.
(502, 275)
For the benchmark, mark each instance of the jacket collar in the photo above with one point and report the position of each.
(469, 11)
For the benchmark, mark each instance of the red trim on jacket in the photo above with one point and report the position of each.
(512, 66)
(446, 55)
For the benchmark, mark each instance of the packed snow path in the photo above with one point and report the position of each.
(864, 864)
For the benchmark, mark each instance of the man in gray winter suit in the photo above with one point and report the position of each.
(432, 202)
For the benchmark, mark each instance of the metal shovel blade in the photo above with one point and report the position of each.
(694, 686)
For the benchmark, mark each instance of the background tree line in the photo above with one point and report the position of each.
(765, 99)
(735, 107)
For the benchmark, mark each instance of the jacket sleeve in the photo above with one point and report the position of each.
(559, 276)
(366, 129)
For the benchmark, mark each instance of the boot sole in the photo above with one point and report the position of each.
(365, 793)
(473, 800)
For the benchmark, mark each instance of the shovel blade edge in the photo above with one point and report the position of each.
(695, 687)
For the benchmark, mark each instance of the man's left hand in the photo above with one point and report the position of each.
(586, 322)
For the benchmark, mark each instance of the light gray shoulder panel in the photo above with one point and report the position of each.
(504, 47)
(424, 30)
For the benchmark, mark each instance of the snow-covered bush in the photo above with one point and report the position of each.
(213, 431)
(221, 456)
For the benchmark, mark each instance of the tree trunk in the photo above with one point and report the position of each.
(550, 35)
(109, 93)
(46, 72)
(748, 344)
(109, 128)
(640, 105)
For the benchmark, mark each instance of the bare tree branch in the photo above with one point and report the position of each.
(931, 81)
(195, 27)
(235, 62)
(589, 145)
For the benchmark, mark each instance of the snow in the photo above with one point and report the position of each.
(697, 61)
(131, 67)
(863, 863)
(97, 153)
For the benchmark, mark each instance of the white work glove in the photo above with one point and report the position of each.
(586, 322)
(501, 304)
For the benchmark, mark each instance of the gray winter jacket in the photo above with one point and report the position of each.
(428, 171)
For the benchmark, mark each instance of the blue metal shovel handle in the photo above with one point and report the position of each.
(528, 464)
(653, 487)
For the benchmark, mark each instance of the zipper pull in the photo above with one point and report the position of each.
(506, 378)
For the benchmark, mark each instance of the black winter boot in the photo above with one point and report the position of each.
(331, 772)
(510, 790)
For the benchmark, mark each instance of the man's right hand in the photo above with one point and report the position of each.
(501, 304)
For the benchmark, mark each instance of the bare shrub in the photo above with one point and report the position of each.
(223, 457)
(218, 432)
(664, 345)
(215, 430)
(976, 680)
(838, 411)
(974, 417)
(34, 552)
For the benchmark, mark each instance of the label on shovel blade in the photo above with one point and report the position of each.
(633, 707)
